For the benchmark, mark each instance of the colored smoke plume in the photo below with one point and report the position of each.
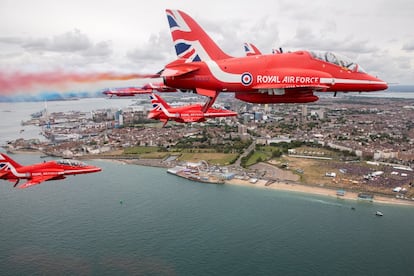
(17, 81)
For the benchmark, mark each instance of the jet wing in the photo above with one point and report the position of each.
(207, 92)
(36, 180)
(179, 70)
(290, 86)
(127, 91)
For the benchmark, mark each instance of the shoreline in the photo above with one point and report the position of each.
(314, 190)
(280, 185)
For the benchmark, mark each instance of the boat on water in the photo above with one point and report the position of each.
(379, 214)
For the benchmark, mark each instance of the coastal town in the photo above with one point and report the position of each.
(361, 145)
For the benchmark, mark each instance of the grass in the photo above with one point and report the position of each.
(211, 158)
(314, 170)
(256, 157)
(140, 150)
(154, 155)
(190, 155)
(199, 150)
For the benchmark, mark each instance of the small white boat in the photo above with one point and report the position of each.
(378, 213)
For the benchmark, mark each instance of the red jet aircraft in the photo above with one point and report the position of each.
(124, 91)
(132, 91)
(250, 49)
(293, 77)
(184, 114)
(35, 174)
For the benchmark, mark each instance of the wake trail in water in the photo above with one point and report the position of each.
(324, 202)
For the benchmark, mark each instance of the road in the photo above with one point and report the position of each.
(245, 153)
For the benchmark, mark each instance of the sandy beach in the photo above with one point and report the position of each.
(284, 185)
(300, 188)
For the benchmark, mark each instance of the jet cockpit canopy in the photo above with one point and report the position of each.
(72, 163)
(337, 60)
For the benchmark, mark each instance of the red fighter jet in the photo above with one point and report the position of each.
(35, 174)
(250, 49)
(184, 114)
(202, 67)
(132, 91)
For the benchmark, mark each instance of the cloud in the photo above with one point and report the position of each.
(72, 49)
(388, 67)
(151, 55)
(409, 46)
(100, 49)
(13, 40)
(153, 49)
(72, 41)
(306, 38)
(230, 34)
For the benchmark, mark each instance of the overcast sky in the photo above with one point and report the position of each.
(133, 36)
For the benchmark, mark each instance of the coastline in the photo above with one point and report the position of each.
(314, 190)
(281, 185)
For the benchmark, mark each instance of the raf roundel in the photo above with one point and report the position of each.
(246, 79)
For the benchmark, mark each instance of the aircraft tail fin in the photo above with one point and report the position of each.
(4, 158)
(251, 49)
(158, 102)
(159, 105)
(191, 42)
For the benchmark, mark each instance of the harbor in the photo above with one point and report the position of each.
(195, 172)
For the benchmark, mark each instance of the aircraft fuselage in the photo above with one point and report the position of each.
(277, 75)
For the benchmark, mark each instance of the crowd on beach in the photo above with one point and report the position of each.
(383, 178)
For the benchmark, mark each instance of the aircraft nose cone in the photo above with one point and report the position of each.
(94, 169)
(377, 84)
(382, 85)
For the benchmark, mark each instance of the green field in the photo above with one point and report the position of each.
(257, 156)
(211, 158)
(190, 155)
(141, 150)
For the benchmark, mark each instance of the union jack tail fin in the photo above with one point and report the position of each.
(251, 50)
(158, 102)
(4, 159)
(191, 42)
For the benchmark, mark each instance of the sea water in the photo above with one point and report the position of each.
(134, 220)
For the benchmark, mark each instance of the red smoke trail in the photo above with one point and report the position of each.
(17, 81)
